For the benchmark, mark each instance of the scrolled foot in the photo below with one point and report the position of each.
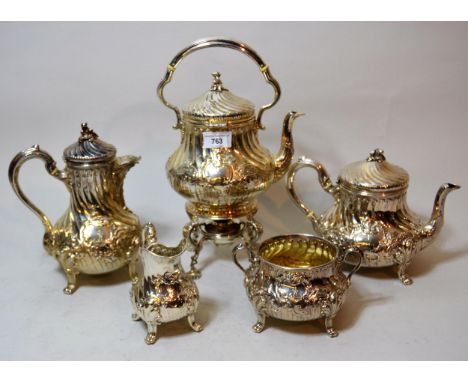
(406, 280)
(329, 327)
(403, 275)
(196, 327)
(258, 327)
(150, 338)
(135, 317)
(332, 333)
(70, 288)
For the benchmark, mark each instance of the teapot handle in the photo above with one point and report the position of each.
(13, 172)
(324, 180)
(223, 43)
(347, 252)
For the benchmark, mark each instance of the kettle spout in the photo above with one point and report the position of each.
(125, 163)
(433, 227)
(285, 154)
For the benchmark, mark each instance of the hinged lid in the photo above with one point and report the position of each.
(89, 148)
(218, 107)
(374, 174)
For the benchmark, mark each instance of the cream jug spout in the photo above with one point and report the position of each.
(284, 156)
(432, 228)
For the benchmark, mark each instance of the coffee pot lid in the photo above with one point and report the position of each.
(374, 174)
(89, 148)
(218, 107)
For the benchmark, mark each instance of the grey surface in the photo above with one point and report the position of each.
(399, 86)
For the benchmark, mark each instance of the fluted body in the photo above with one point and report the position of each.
(161, 291)
(223, 181)
(97, 233)
(370, 212)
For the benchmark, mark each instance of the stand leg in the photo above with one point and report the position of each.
(152, 331)
(195, 237)
(194, 271)
(193, 324)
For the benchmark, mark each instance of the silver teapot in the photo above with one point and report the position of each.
(370, 211)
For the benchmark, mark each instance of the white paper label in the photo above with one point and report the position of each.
(213, 140)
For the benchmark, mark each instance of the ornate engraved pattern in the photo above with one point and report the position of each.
(371, 213)
(97, 233)
(295, 294)
(161, 291)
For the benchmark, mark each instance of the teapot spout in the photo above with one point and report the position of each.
(285, 154)
(433, 227)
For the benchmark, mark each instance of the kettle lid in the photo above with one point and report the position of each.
(374, 174)
(218, 107)
(89, 148)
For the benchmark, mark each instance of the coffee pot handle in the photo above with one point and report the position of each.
(347, 252)
(13, 172)
(222, 43)
(324, 180)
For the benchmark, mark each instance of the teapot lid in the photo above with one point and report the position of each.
(218, 107)
(374, 174)
(89, 148)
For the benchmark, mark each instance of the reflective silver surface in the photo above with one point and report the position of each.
(371, 213)
(297, 278)
(221, 181)
(161, 291)
(97, 233)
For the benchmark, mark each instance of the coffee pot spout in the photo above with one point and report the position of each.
(125, 163)
(285, 154)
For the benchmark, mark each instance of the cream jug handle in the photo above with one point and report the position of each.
(324, 180)
(222, 43)
(13, 172)
(347, 252)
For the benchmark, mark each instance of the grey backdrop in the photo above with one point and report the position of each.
(398, 86)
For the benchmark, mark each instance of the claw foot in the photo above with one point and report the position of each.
(150, 338)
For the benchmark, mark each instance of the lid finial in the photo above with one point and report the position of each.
(217, 85)
(376, 155)
(87, 133)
